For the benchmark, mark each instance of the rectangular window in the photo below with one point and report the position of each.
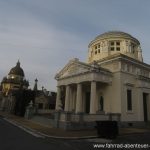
(133, 51)
(133, 48)
(118, 43)
(112, 48)
(129, 100)
(112, 43)
(115, 46)
(118, 48)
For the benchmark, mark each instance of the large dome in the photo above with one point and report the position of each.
(112, 43)
(17, 70)
(114, 34)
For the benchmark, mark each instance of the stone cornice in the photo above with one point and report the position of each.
(123, 58)
(94, 67)
(140, 77)
(84, 73)
(85, 77)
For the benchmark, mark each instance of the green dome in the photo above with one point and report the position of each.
(17, 70)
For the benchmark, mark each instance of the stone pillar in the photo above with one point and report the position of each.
(127, 46)
(93, 98)
(74, 99)
(79, 98)
(148, 107)
(67, 98)
(29, 111)
(70, 99)
(140, 58)
(140, 109)
(58, 99)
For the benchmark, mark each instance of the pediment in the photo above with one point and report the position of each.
(74, 67)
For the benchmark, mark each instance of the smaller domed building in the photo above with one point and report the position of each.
(14, 80)
(10, 86)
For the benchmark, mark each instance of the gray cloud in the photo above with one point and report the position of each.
(45, 34)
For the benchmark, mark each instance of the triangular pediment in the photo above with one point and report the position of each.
(74, 67)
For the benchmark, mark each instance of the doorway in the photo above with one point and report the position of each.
(145, 98)
(87, 103)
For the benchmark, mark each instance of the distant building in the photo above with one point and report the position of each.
(14, 80)
(114, 84)
(10, 86)
(44, 100)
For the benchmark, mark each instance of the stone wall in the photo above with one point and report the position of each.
(70, 121)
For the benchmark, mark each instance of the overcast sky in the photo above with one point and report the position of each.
(45, 34)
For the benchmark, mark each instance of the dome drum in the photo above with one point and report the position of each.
(111, 43)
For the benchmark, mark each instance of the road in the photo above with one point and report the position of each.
(13, 138)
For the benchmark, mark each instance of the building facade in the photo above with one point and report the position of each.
(14, 81)
(44, 100)
(114, 84)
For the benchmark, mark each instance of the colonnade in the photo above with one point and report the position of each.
(74, 98)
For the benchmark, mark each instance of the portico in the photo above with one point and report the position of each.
(81, 90)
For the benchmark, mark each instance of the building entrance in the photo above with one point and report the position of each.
(87, 105)
(145, 98)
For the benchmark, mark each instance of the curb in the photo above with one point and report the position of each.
(42, 135)
(69, 138)
(28, 130)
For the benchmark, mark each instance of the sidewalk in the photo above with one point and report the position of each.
(49, 131)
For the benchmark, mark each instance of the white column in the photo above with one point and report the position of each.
(79, 98)
(93, 98)
(140, 54)
(140, 109)
(67, 98)
(58, 99)
(74, 99)
(148, 107)
(70, 99)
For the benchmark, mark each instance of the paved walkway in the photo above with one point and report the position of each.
(48, 130)
(45, 128)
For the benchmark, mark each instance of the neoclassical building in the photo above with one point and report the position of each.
(114, 84)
